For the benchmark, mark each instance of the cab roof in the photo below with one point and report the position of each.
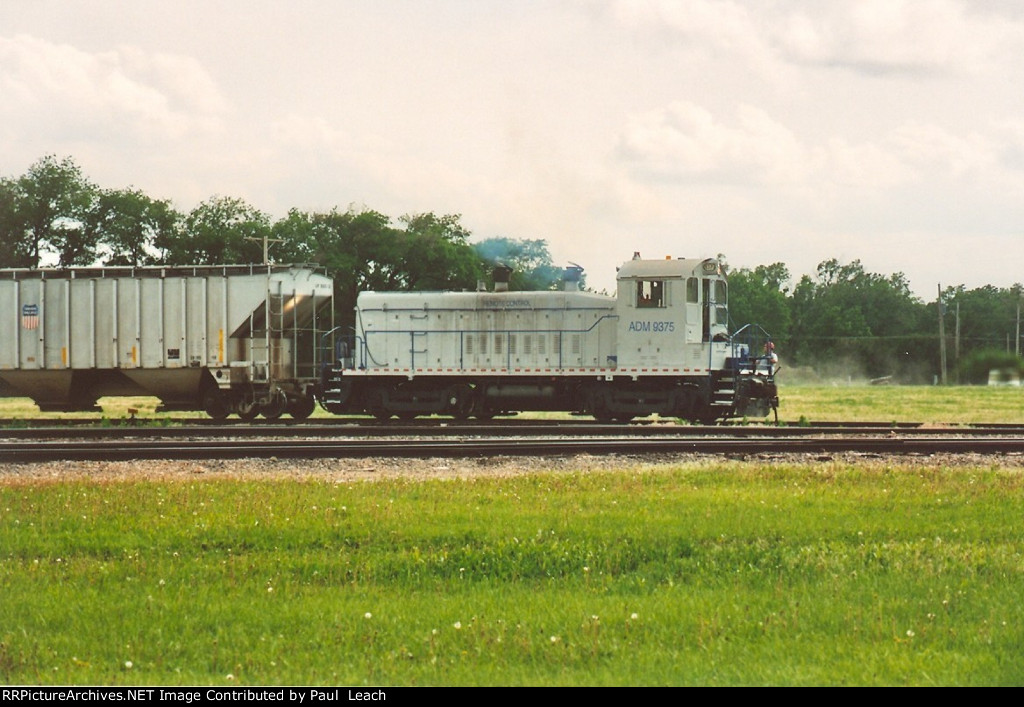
(668, 269)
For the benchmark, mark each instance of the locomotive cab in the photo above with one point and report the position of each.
(672, 313)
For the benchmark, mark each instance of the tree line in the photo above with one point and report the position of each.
(53, 215)
(845, 321)
(841, 321)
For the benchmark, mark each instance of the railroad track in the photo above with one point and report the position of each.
(310, 441)
(511, 428)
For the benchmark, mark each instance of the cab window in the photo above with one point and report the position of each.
(650, 293)
(720, 292)
(692, 290)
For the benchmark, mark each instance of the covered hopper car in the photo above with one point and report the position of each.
(227, 339)
(660, 345)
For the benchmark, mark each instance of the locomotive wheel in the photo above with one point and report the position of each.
(301, 407)
(460, 401)
(375, 405)
(599, 408)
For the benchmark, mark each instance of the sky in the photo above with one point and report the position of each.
(793, 131)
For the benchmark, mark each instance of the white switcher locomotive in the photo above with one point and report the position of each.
(662, 346)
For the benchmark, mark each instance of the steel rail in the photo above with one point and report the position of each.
(425, 448)
(486, 430)
(369, 423)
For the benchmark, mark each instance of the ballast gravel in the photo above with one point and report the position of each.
(379, 469)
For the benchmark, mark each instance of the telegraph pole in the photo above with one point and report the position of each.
(1017, 348)
(956, 344)
(942, 337)
(266, 243)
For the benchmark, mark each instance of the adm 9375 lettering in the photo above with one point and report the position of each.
(648, 327)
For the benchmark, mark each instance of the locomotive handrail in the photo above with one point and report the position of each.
(745, 336)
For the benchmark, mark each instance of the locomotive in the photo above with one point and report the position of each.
(661, 345)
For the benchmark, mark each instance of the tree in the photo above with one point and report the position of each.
(758, 296)
(15, 250)
(364, 251)
(293, 239)
(530, 261)
(130, 224)
(437, 253)
(861, 322)
(221, 230)
(358, 249)
(55, 200)
(988, 320)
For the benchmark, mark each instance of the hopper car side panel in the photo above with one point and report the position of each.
(227, 338)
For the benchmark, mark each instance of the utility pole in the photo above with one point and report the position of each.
(942, 337)
(1017, 348)
(266, 243)
(956, 344)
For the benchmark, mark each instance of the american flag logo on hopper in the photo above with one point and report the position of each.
(30, 316)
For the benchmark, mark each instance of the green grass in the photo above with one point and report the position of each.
(884, 403)
(706, 574)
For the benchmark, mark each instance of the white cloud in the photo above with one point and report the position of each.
(685, 141)
(932, 149)
(895, 36)
(869, 36)
(81, 95)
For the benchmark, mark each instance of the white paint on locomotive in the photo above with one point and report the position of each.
(660, 345)
(668, 317)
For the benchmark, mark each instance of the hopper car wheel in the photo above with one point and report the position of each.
(248, 409)
(275, 406)
(407, 416)
(215, 405)
(301, 407)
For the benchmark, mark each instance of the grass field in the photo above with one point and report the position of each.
(728, 573)
(698, 573)
(890, 403)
